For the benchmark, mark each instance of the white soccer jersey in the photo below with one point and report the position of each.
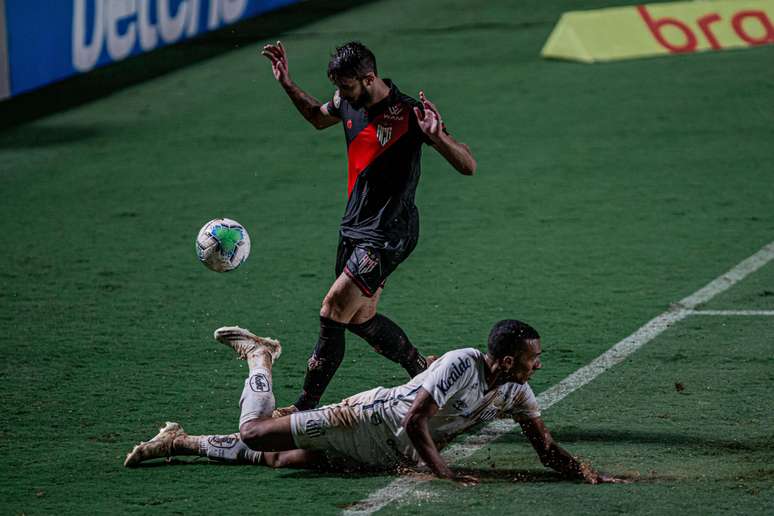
(367, 426)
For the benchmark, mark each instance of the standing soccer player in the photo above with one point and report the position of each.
(384, 130)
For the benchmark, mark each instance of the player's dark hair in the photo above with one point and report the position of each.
(351, 61)
(509, 336)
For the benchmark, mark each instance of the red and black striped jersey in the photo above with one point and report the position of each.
(384, 149)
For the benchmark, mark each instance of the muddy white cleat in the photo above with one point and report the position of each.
(160, 447)
(244, 342)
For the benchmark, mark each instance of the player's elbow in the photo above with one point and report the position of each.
(469, 168)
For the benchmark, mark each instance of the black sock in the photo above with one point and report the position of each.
(390, 341)
(325, 359)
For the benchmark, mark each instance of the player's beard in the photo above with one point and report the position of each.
(363, 100)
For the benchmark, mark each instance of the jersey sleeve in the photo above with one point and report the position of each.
(333, 106)
(523, 403)
(455, 371)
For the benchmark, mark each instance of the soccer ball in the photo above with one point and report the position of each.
(222, 245)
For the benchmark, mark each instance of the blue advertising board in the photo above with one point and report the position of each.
(50, 40)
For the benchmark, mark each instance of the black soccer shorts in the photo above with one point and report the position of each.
(367, 265)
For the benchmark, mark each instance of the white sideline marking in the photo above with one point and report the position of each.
(405, 485)
(732, 312)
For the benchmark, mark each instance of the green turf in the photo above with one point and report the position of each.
(604, 193)
(756, 293)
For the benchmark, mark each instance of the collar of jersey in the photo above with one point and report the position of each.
(380, 106)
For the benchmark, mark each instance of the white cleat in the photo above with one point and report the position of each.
(160, 447)
(244, 342)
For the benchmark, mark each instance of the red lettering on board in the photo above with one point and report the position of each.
(739, 18)
(656, 28)
(704, 24)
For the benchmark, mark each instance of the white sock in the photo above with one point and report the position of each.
(227, 448)
(257, 401)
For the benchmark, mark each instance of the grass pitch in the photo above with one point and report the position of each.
(604, 193)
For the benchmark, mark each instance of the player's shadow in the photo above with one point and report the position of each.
(488, 475)
(684, 440)
(102, 81)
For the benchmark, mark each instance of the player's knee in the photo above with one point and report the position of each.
(332, 308)
(252, 434)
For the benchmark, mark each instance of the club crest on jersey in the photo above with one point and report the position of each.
(383, 134)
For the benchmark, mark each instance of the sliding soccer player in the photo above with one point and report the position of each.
(382, 428)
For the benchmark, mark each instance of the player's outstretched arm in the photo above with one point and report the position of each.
(310, 108)
(555, 457)
(456, 153)
(416, 425)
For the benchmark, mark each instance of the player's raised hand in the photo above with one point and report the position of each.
(429, 119)
(279, 61)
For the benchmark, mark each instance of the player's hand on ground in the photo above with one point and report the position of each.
(609, 479)
(429, 119)
(466, 480)
(590, 476)
(279, 61)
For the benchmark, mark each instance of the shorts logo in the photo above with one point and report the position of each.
(366, 261)
(314, 428)
(259, 383)
(223, 441)
(349, 124)
(383, 134)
